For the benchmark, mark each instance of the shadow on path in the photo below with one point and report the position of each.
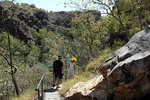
(51, 89)
(51, 94)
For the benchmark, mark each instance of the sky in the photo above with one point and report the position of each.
(50, 5)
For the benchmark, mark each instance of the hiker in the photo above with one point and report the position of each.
(58, 71)
(72, 67)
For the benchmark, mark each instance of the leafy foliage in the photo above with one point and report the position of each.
(87, 31)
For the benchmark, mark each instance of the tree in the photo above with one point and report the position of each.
(8, 55)
(87, 32)
(126, 16)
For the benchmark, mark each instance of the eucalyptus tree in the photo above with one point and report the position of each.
(16, 53)
(8, 55)
(122, 18)
(87, 31)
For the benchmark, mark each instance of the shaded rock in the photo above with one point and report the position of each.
(41, 15)
(130, 77)
(14, 26)
(23, 16)
(37, 20)
(18, 29)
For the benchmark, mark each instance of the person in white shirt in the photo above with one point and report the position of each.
(72, 67)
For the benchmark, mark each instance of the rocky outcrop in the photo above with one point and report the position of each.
(82, 90)
(12, 25)
(129, 79)
(37, 20)
(138, 43)
(126, 72)
(18, 29)
(24, 18)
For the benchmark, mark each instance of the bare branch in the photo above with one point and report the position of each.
(14, 70)
(5, 59)
(109, 10)
(103, 4)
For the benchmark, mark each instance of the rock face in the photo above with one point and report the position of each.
(18, 29)
(13, 25)
(126, 72)
(25, 17)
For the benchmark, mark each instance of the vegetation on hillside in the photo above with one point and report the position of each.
(31, 38)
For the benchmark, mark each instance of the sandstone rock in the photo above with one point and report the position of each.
(140, 42)
(83, 90)
(134, 72)
(127, 70)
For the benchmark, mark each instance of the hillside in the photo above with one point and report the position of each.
(28, 16)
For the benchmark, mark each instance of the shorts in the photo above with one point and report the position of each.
(58, 75)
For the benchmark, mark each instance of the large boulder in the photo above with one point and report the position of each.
(126, 72)
(84, 91)
(129, 79)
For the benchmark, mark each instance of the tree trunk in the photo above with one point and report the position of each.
(15, 84)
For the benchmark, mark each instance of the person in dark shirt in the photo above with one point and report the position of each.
(58, 71)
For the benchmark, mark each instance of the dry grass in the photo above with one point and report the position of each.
(100, 60)
(85, 76)
(27, 95)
